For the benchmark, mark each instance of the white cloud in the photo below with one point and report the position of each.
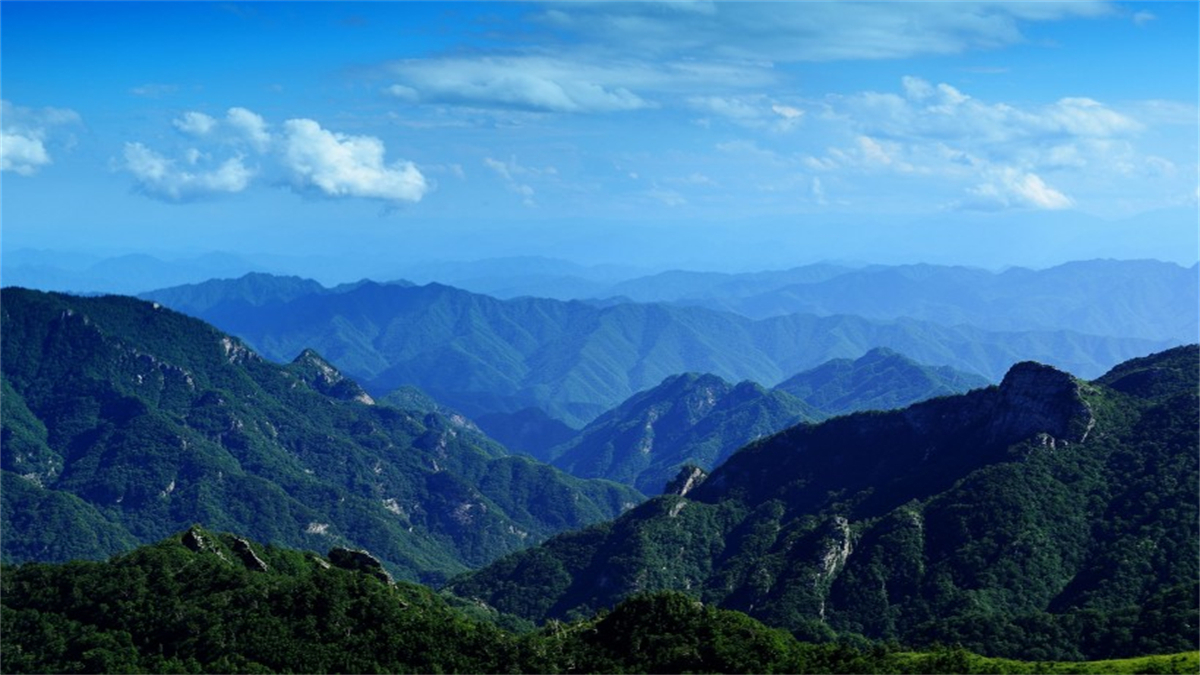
(240, 125)
(161, 177)
(311, 158)
(807, 31)
(1012, 188)
(523, 82)
(251, 126)
(340, 165)
(26, 133)
(23, 154)
(996, 153)
(195, 123)
(513, 175)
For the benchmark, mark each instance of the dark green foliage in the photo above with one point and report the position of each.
(1045, 518)
(168, 608)
(200, 602)
(124, 421)
(688, 419)
(576, 360)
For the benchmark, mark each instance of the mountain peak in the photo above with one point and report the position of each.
(325, 378)
(1036, 398)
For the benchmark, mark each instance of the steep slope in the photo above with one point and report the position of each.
(688, 419)
(125, 421)
(881, 379)
(575, 361)
(1044, 517)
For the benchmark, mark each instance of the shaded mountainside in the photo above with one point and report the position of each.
(215, 603)
(1046, 517)
(574, 360)
(881, 379)
(124, 421)
(688, 419)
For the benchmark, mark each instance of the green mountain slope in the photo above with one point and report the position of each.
(881, 379)
(1044, 518)
(575, 361)
(124, 421)
(205, 602)
(688, 419)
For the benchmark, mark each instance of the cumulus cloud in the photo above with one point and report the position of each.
(161, 177)
(1012, 188)
(195, 123)
(340, 165)
(239, 148)
(26, 134)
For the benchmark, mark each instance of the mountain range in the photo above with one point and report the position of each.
(700, 419)
(1046, 517)
(576, 360)
(124, 421)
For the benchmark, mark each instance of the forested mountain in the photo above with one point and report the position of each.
(1046, 517)
(688, 419)
(205, 602)
(574, 360)
(881, 379)
(700, 420)
(124, 421)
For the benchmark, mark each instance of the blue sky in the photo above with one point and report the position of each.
(700, 134)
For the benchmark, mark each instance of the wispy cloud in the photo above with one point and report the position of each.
(515, 177)
(522, 82)
(154, 90)
(806, 31)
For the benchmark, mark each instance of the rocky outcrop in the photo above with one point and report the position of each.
(686, 480)
(1038, 399)
(322, 376)
(244, 552)
(359, 561)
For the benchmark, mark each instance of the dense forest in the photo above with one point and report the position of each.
(204, 602)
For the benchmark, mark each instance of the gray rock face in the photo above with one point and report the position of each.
(1038, 399)
(249, 558)
(686, 480)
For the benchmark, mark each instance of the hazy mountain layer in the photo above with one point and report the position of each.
(1045, 516)
(1124, 298)
(481, 355)
(124, 421)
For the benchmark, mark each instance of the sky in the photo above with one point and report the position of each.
(707, 135)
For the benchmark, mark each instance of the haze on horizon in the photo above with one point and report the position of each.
(704, 135)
